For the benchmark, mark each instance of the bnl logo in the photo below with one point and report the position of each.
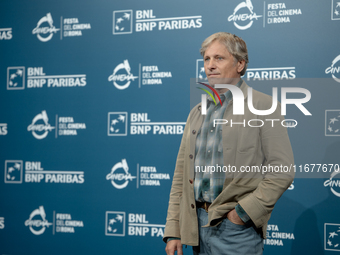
(117, 124)
(115, 224)
(332, 237)
(13, 171)
(200, 72)
(332, 123)
(15, 77)
(122, 22)
(335, 10)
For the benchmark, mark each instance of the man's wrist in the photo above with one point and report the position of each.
(242, 214)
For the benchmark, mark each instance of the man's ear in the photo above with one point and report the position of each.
(240, 65)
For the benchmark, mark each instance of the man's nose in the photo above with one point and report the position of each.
(210, 64)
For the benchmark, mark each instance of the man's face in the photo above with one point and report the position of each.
(220, 66)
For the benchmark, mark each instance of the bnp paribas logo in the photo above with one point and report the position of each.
(335, 10)
(122, 22)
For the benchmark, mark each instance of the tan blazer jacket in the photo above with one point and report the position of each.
(256, 192)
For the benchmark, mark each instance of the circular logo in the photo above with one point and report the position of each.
(41, 223)
(38, 128)
(244, 17)
(334, 182)
(117, 178)
(333, 69)
(115, 77)
(45, 30)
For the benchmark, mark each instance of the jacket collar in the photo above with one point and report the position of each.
(244, 87)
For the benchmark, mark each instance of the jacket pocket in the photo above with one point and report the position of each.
(248, 139)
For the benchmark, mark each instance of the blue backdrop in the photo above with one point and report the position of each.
(94, 99)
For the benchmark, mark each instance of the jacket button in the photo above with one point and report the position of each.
(191, 156)
(192, 206)
(194, 131)
(190, 181)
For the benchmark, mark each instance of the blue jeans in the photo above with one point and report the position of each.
(227, 238)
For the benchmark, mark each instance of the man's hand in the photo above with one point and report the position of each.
(234, 218)
(172, 246)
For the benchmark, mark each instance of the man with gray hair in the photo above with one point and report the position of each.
(226, 212)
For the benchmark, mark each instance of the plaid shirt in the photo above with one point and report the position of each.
(209, 151)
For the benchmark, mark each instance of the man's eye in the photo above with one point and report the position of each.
(219, 58)
(206, 59)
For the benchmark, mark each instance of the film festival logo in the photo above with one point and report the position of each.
(332, 237)
(13, 171)
(334, 69)
(334, 181)
(122, 22)
(122, 76)
(115, 224)
(16, 77)
(45, 28)
(40, 126)
(335, 10)
(37, 222)
(119, 175)
(117, 124)
(243, 15)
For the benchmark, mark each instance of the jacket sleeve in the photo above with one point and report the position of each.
(172, 221)
(277, 170)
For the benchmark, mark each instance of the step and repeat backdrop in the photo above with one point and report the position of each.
(94, 96)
